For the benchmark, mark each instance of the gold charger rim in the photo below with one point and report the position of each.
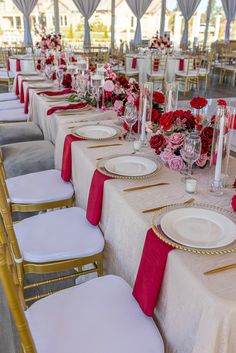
(214, 251)
(116, 176)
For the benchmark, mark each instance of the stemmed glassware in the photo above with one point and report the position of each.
(97, 82)
(191, 151)
(130, 118)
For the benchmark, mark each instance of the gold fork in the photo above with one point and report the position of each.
(161, 207)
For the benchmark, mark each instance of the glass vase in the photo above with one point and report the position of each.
(145, 111)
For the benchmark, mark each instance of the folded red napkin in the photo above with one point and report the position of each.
(94, 206)
(66, 171)
(151, 272)
(134, 63)
(18, 65)
(8, 65)
(22, 92)
(26, 106)
(57, 93)
(66, 107)
(181, 64)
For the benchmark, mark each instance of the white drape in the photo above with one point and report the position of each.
(187, 7)
(230, 13)
(138, 8)
(87, 8)
(26, 7)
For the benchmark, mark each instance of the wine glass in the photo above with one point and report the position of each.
(191, 151)
(130, 117)
(97, 82)
(60, 75)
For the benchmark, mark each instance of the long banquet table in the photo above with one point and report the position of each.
(195, 313)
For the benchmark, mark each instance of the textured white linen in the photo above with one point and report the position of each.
(187, 7)
(138, 8)
(229, 7)
(45, 186)
(102, 309)
(26, 7)
(87, 8)
(58, 235)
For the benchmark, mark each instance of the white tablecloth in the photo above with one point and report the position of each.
(26, 62)
(196, 313)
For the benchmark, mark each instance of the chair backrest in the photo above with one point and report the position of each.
(14, 295)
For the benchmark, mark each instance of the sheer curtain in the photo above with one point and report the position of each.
(187, 7)
(26, 7)
(138, 7)
(87, 8)
(230, 13)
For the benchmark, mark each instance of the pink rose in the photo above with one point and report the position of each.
(176, 139)
(202, 160)
(118, 105)
(176, 163)
(109, 86)
(166, 156)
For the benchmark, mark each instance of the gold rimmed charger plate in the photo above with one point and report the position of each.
(118, 132)
(214, 251)
(101, 168)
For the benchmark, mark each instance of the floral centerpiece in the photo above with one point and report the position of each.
(162, 42)
(169, 130)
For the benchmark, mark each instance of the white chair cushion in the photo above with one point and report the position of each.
(12, 104)
(99, 316)
(7, 96)
(13, 115)
(58, 235)
(185, 74)
(40, 187)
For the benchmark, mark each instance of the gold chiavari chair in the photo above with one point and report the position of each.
(190, 77)
(57, 323)
(158, 69)
(36, 192)
(57, 241)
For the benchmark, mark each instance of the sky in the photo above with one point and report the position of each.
(171, 4)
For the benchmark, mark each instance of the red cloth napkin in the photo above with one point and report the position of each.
(57, 93)
(94, 206)
(22, 92)
(134, 63)
(66, 107)
(26, 106)
(181, 64)
(18, 65)
(8, 65)
(151, 272)
(66, 171)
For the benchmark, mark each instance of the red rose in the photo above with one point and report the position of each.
(157, 142)
(123, 81)
(205, 145)
(207, 133)
(234, 203)
(159, 97)
(198, 102)
(221, 102)
(155, 116)
(166, 120)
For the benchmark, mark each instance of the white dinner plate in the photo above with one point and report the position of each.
(198, 228)
(132, 166)
(95, 132)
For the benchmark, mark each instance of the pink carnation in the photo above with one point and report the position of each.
(176, 163)
(109, 86)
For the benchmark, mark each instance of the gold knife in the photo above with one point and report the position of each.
(220, 269)
(161, 207)
(144, 187)
(100, 146)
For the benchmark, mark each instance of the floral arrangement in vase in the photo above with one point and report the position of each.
(168, 132)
